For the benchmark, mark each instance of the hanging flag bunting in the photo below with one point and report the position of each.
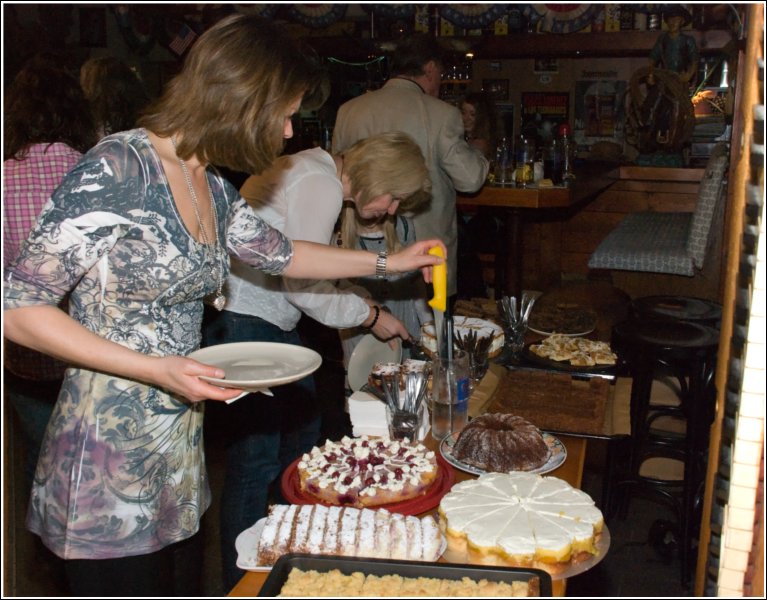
(262, 10)
(317, 15)
(472, 16)
(562, 18)
(396, 11)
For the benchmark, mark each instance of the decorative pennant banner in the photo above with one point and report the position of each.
(317, 15)
(397, 11)
(262, 10)
(562, 18)
(472, 16)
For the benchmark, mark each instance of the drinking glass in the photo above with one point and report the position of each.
(404, 424)
(450, 394)
(514, 316)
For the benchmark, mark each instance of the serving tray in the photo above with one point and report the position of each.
(404, 568)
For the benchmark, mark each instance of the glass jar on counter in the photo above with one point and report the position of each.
(524, 157)
(504, 163)
(553, 159)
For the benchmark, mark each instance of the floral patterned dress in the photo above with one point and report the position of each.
(122, 467)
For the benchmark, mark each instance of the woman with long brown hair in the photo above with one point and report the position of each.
(138, 233)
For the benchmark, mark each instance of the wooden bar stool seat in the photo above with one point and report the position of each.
(652, 349)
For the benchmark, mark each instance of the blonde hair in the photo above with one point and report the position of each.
(388, 163)
(231, 98)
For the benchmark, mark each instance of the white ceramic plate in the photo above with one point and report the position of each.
(246, 545)
(558, 456)
(258, 365)
(578, 334)
(367, 353)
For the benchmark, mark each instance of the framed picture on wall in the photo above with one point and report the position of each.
(93, 27)
(546, 65)
(497, 88)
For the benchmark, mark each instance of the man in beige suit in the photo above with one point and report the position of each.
(409, 102)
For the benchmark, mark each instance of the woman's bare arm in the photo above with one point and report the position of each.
(320, 261)
(50, 330)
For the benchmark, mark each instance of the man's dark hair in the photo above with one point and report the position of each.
(412, 54)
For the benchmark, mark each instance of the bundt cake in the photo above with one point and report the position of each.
(501, 443)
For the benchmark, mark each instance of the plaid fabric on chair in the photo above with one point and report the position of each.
(661, 242)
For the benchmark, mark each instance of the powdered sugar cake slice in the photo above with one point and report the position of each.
(332, 528)
(382, 537)
(347, 533)
(398, 532)
(414, 538)
(267, 542)
(284, 537)
(366, 533)
(432, 539)
(316, 540)
(301, 530)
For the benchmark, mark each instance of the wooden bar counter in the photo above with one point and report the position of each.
(590, 179)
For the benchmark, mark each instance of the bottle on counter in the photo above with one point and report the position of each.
(524, 157)
(503, 163)
(552, 161)
(567, 145)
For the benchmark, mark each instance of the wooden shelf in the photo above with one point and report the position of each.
(532, 45)
(580, 45)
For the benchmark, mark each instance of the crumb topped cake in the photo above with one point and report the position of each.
(367, 471)
(519, 520)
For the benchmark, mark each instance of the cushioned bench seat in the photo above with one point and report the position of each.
(647, 241)
(667, 242)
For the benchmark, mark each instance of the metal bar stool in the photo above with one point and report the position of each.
(678, 308)
(652, 348)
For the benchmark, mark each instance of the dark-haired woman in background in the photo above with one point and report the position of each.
(47, 128)
(478, 114)
(115, 93)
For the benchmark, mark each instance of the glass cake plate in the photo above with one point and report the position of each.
(557, 458)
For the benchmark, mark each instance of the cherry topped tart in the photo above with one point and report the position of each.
(367, 471)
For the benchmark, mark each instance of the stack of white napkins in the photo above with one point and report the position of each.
(368, 416)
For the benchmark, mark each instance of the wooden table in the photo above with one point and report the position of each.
(591, 179)
(571, 471)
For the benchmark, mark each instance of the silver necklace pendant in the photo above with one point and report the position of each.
(219, 302)
(217, 271)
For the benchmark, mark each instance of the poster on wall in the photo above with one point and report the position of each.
(542, 113)
(599, 112)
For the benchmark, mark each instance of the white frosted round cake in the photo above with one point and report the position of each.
(461, 327)
(519, 520)
(367, 472)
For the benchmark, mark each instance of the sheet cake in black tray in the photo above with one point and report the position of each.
(540, 581)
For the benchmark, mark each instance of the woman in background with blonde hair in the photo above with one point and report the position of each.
(301, 195)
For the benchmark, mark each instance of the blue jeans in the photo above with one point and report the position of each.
(33, 402)
(262, 435)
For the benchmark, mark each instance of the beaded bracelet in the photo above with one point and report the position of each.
(375, 318)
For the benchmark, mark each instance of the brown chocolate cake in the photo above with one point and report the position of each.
(501, 443)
